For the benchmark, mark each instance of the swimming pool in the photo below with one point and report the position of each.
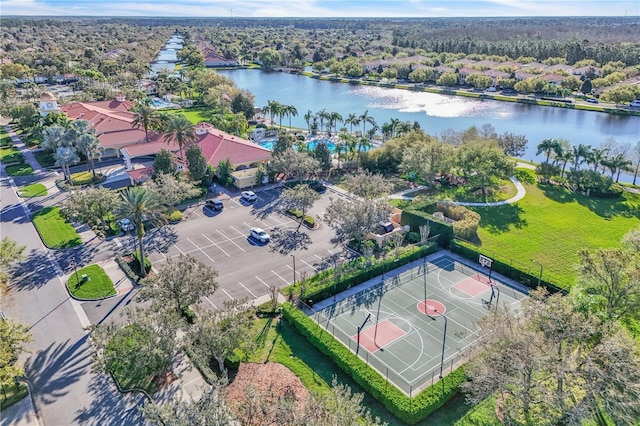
(311, 144)
(159, 103)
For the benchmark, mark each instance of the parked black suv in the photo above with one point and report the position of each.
(214, 204)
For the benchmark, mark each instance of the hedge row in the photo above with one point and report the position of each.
(416, 218)
(471, 252)
(466, 221)
(324, 285)
(308, 220)
(409, 410)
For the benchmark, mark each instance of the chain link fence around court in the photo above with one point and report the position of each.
(367, 298)
(412, 387)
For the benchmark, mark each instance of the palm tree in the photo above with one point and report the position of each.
(636, 154)
(145, 117)
(393, 123)
(363, 145)
(403, 128)
(596, 156)
(617, 164)
(322, 116)
(366, 118)
(138, 205)
(580, 155)
(352, 120)
(290, 110)
(334, 119)
(547, 146)
(89, 145)
(273, 108)
(563, 156)
(308, 117)
(387, 131)
(180, 131)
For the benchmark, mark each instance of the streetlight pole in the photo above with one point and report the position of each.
(539, 276)
(294, 270)
(444, 338)
(424, 275)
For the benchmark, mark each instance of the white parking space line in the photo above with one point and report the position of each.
(202, 251)
(245, 287)
(212, 304)
(178, 248)
(241, 234)
(117, 241)
(225, 292)
(230, 240)
(265, 284)
(310, 266)
(215, 244)
(276, 274)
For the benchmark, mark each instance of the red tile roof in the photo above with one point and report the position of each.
(217, 146)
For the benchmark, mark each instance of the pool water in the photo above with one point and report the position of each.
(159, 103)
(311, 144)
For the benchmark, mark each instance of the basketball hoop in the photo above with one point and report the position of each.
(485, 261)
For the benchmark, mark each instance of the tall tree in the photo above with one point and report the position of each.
(512, 144)
(352, 120)
(294, 164)
(146, 117)
(218, 333)
(636, 157)
(165, 162)
(547, 146)
(484, 163)
(197, 163)
(91, 206)
(179, 284)
(89, 145)
(427, 159)
(365, 119)
(609, 282)
(552, 364)
(139, 205)
(169, 190)
(289, 111)
(300, 197)
(13, 337)
(179, 131)
(10, 252)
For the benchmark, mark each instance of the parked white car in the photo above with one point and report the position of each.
(249, 196)
(126, 225)
(259, 234)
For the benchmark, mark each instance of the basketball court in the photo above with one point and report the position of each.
(414, 327)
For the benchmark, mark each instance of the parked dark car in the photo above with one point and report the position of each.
(214, 204)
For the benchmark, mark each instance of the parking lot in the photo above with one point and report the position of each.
(246, 267)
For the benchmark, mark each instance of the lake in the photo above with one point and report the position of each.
(435, 113)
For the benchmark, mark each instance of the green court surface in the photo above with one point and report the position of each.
(398, 327)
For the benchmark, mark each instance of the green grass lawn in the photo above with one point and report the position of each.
(194, 115)
(11, 155)
(33, 190)
(12, 393)
(56, 231)
(5, 139)
(98, 285)
(19, 170)
(551, 224)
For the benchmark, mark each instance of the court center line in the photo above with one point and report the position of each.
(245, 287)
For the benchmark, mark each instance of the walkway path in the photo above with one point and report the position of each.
(519, 196)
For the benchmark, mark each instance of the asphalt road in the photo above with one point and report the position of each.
(58, 364)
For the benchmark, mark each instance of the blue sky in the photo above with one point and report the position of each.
(322, 8)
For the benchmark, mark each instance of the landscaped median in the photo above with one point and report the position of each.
(409, 410)
(33, 190)
(90, 283)
(54, 229)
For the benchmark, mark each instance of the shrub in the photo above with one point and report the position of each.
(409, 410)
(82, 178)
(175, 216)
(466, 221)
